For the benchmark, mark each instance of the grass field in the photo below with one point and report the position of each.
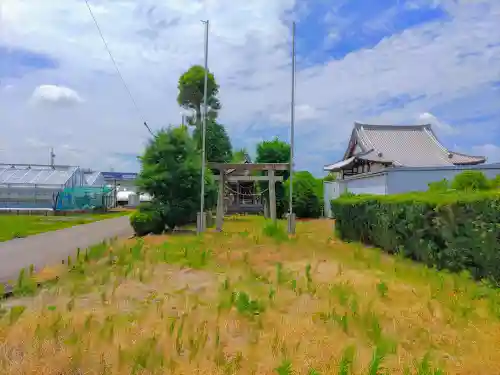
(19, 226)
(249, 301)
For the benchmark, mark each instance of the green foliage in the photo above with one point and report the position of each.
(306, 201)
(495, 182)
(275, 151)
(191, 88)
(330, 177)
(274, 230)
(171, 173)
(246, 305)
(471, 180)
(455, 230)
(147, 219)
(240, 156)
(217, 142)
(439, 186)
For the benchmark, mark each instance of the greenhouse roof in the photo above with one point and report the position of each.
(26, 174)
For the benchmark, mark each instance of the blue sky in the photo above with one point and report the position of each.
(15, 62)
(328, 31)
(384, 61)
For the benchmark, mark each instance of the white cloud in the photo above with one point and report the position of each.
(154, 41)
(303, 112)
(56, 95)
(441, 126)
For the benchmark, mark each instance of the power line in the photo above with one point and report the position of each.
(116, 67)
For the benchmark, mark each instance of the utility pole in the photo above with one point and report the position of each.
(52, 157)
(201, 217)
(291, 215)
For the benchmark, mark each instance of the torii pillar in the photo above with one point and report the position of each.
(220, 202)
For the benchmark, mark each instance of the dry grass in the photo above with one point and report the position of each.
(250, 301)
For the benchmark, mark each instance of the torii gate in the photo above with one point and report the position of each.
(225, 170)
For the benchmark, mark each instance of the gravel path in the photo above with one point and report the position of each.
(52, 247)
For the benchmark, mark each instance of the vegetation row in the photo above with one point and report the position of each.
(452, 226)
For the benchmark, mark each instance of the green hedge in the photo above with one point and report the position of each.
(147, 219)
(456, 231)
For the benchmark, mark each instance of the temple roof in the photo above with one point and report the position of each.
(404, 146)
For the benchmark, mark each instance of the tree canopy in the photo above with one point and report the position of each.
(240, 156)
(217, 142)
(191, 88)
(275, 151)
(171, 173)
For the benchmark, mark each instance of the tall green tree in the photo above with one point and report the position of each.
(275, 151)
(217, 142)
(171, 173)
(191, 88)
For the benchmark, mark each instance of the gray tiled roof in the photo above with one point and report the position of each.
(412, 146)
(35, 174)
(409, 146)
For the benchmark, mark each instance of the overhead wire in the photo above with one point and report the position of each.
(116, 67)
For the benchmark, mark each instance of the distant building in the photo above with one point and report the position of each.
(33, 186)
(125, 188)
(389, 159)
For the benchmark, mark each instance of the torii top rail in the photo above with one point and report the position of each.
(226, 174)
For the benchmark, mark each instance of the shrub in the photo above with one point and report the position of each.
(306, 201)
(471, 180)
(457, 231)
(147, 219)
(331, 176)
(495, 182)
(439, 186)
(171, 172)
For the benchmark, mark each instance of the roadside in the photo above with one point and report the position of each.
(21, 226)
(52, 247)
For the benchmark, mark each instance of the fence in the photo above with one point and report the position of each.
(85, 198)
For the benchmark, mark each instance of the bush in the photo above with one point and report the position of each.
(471, 180)
(306, 202)
(453, 230)
(330, 177)
(171, 172)
(440, 186)
(495, 182)
(147, 219)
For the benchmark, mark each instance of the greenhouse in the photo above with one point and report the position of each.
(36, 187)
(85, 198)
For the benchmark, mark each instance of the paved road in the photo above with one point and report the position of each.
(52, 247)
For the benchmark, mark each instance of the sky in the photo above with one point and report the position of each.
(380, 62)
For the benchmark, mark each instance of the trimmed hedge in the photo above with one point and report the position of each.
(147, 219)
(455, 231)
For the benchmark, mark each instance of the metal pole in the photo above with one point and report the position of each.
(203, 131)
(291, 218)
